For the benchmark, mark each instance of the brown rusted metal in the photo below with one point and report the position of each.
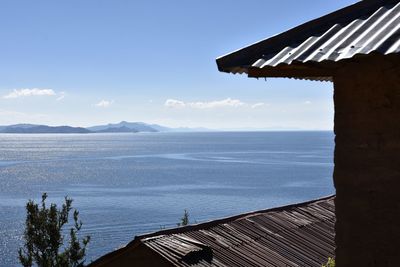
(294, 235)
(301, 235)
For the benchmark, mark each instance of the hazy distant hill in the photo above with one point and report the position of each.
(123, 126)
(21, 125)
(122, 129)
(31, 128)
(141, 127)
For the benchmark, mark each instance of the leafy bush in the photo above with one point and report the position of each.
(44, 236)
(185, 219)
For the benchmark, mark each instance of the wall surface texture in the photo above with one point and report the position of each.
(367, 162)
(136, 256)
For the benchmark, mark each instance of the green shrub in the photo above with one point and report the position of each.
(44, 238)
(185, 219)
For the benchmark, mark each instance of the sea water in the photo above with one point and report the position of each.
(129, 184)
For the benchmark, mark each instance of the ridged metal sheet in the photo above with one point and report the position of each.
(298, 235)
(377, 33)
(364, 28)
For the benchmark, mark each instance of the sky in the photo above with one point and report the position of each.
(83, 63)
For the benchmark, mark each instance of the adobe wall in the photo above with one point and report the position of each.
(135, 256)
(367, 162)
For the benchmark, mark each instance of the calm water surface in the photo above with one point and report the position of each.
(129, 184)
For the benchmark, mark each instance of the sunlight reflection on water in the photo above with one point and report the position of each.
(127, 184)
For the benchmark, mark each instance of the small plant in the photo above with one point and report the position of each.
(330, 263)
(44, 239)
(185, 219)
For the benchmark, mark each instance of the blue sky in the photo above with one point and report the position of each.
(89, 62)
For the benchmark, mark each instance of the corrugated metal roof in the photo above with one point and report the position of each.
(296, 235)
(370, 26)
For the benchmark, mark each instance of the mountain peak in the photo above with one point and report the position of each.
(124, 126)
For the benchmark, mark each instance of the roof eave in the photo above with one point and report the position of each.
(243, 58)
(290, 71)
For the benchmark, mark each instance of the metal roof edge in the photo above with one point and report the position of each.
(138, 239)
(212, 223)
(246, 56)
(102, 260)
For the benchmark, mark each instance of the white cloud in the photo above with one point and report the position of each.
(24, 92)
(173, 103)
(308, 102)
(228, 102)
(104, 103)
(258, 105)
(61, 96)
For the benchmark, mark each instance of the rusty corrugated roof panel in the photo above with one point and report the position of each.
(367, 27)
(297, 235)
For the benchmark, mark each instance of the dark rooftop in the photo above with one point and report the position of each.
(295, 235)
(367, 27)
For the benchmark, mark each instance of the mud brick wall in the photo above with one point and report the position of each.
(367, 162)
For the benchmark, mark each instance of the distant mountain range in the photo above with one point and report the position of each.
(33, 128)
(122, 127)
(125, 126)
